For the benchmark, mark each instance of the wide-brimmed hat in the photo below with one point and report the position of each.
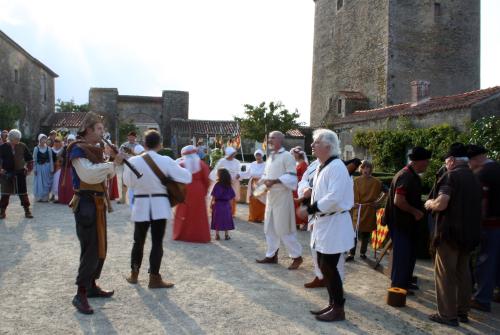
(456, 150)
(474, 150)
(419, 154)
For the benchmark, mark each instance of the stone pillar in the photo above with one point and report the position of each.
(175, 105)
(104, 102)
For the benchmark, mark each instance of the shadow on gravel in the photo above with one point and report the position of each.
(95, 323)
(171, 317)
(12, 243)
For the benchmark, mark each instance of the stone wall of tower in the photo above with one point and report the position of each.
(350, 48)
(437, 41)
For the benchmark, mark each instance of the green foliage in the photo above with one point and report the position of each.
(261, 119)
(70, 106)
(124, 129)
(215, 155)
(486, 131)
(9, 115)
(389, 147)
(167, 152)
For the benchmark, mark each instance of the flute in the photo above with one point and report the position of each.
(131, 167)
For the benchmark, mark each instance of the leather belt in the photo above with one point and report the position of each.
(158, 195)
(89, 192)
(328, 214)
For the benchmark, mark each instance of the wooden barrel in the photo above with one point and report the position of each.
(396, 297)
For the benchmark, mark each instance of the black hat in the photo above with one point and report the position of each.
(419, 154)
(132, 133)
(355, 161)
(474, 150)
(456, 150)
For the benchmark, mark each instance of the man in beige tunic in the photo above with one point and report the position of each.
(280, 178)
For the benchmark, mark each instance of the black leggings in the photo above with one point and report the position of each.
(157, 233)
(328, 265)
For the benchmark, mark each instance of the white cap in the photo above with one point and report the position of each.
(230, 151)
(258, 152)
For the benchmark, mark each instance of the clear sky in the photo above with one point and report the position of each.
(226, 53)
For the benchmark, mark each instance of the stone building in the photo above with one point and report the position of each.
(366, 52)
(26, 82)
(423, 110)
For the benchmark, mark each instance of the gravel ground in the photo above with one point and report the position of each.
(219, 287)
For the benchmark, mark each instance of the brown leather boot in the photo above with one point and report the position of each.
(296, 263)
(155, 281)
(27, 213)
(2, 213)
(334, 314)
(322, 311)
(316, 282)
(81, 303)
(269, 260)
(134, 275)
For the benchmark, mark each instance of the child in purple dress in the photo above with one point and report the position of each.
(222, 195)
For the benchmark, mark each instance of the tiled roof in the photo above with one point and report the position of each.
(437, 104)
(353, 95)
(27, 54)
(65, 120)
(294, 133)
(210, 127)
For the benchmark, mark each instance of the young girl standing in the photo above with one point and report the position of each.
(222, 195)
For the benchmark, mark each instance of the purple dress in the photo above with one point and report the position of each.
(222, 217)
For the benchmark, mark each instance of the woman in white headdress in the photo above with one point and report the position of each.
(230, 163)
(256, 205)
(191, 219)
(44, 167)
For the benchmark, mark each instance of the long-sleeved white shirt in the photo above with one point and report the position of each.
(91, 173)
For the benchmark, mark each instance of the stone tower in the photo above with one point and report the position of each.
(366, 52)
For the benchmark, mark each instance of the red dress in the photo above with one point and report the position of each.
(191, 219)
(65, 187)
(301, 169)
(113, 188)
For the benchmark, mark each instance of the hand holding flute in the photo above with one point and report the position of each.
(120, 157)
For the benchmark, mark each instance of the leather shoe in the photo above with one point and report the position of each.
(322, 311)
(296, 263)
(97, 292)
(437, 318)
(269, 260)
(82, 305)
(334, 314)
(316, 282)
(480, 306)
(463, 318)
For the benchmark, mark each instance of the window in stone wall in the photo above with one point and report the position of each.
(340, 110)
(340, 4)
(43, 83)
(16, 76)
(437, 11)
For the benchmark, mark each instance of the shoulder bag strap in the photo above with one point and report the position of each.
(155, 168)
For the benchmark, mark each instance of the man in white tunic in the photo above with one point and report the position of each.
(332, 198)
(280, 178)
(230, 163)
(151, 206)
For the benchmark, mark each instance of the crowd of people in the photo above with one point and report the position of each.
(287, 194)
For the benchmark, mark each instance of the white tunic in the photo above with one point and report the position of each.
(152, 208)
(333, 191)
(255, 172)
(234, 167)
(307, 178)
(280, 212)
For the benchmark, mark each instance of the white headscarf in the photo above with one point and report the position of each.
(40, 137)
(190, 159)
(70, 137)
(257, 152)
(229, 151)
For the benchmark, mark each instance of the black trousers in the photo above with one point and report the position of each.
(4, 200)
(157, 234)
(86, 229)
(403, 256)
(364, 237)
(328, 265)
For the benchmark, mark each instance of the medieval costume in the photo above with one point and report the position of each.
(151, 208)
(16, 162)
(233, 165)
(279, 220)
(43, 169)
(256, 205)
(301, 167)
(367, 194)
(191, 219)
(65, 186)
(89, 203)
(57, 150)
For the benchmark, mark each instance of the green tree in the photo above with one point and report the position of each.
(486, 132)
(70, 106)
(9, 115)
(261, 119)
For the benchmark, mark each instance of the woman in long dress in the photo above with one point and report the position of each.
(256, 205)
(191, 219)
(44, 167)
(65, 187)
(57, 149)
(301, 167)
